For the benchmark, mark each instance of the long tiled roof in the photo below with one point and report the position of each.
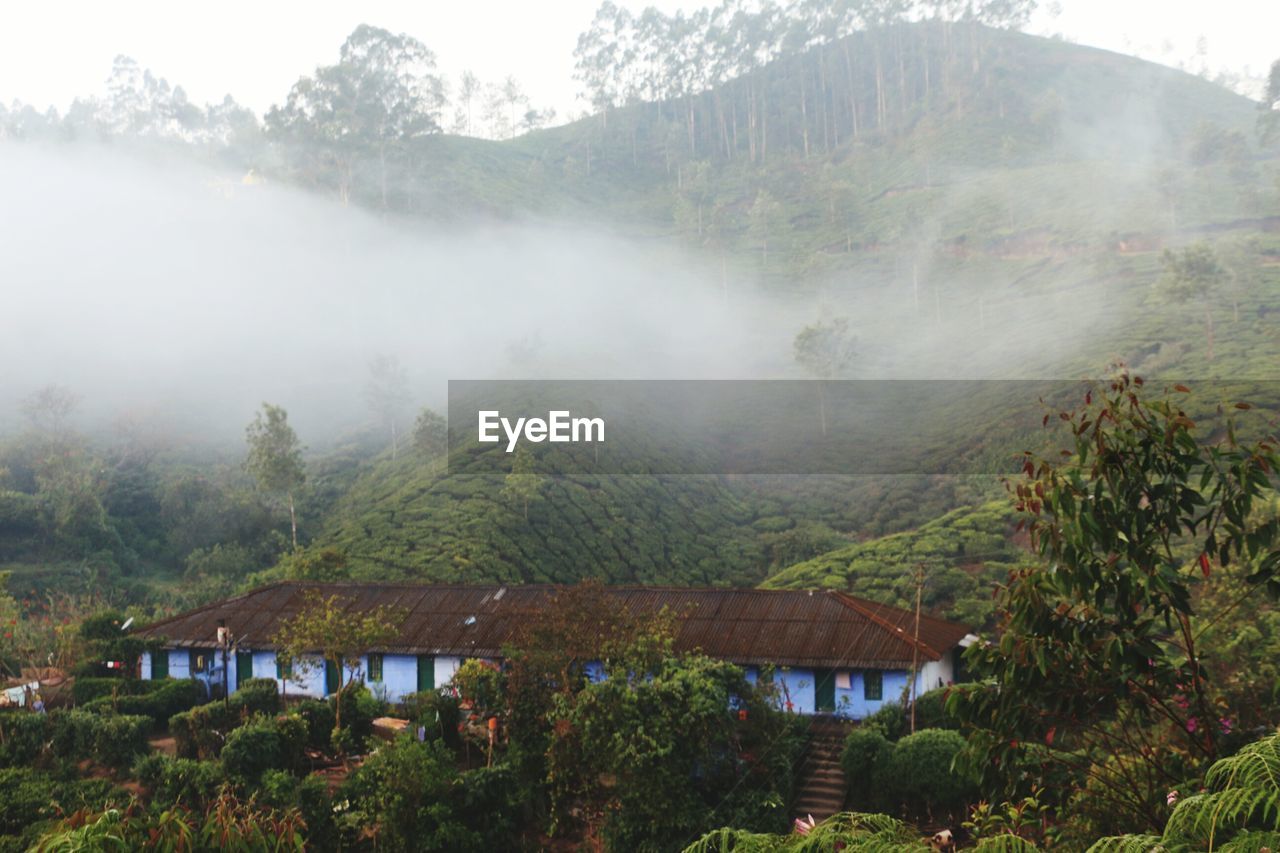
(749, 626)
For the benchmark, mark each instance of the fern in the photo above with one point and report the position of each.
(1129, 844)
(853, 832)
(1253, 841)
(1243, 793)
(1004, 843)
(726, 839)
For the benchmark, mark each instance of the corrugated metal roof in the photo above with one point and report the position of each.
(749, 626)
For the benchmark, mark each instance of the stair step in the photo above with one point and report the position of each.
(834, 804)
(821, 787)
(829, 790)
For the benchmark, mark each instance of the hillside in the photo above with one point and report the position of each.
(963, 553)
(986, 204)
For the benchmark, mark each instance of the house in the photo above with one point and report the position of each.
(830, 652)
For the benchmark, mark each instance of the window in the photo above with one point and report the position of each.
(873, 686)
(284, 669)
(375, 666)
(199, 661)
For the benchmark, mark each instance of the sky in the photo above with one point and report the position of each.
(54, 50)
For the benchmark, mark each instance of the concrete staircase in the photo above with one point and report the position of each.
(821, 784)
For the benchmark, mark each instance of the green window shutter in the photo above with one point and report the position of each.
(244, 667)
(331, 683)
(375, 666)
(824, 690)
(284, 669)
(873, 685)
(426, 673)
(160, 664)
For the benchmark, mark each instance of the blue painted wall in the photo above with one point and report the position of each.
(796, 685)
(400, 677)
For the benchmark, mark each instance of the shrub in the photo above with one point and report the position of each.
(31, 798)
(264, 743)
(318, 715)
(170, 697)
(480, 684)
(931, 711)
(437, 712)
(310, 796)
(920, 773)
(179, 780)
(113, 740)
(404, 790)
(23, 738)
(85, 690)
(488, 800)
(359, 709)
(258, 695)
(865, 761)
(891, 720)
(202, 731)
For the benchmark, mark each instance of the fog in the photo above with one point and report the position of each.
(156, 285)
(175, 288)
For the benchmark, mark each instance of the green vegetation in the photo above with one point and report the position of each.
(905, 190)
(964, 553)
(1101, 654)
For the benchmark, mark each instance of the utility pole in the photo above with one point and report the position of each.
(224, 640)
(915, 646)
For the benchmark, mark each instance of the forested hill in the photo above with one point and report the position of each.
(976, 201)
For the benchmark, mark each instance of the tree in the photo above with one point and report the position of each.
(1193, 274)
(469, 88)
(340, 632)
(1269, 121)
(523, 484)
(430, 434)
(1099, 666)
(548, 656)
(514, 99)
(324, 565)
(10, 630)
(275, 458)
(49, 409)
(826, 350)
(387, 393)
(766, 221)
(382, 95)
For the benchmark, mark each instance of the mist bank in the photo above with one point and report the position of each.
(160, 289)
(193, 293)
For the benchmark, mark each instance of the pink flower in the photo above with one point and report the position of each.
(1192, 725)
(805, 825)
(1171, 798)
(1225, 723)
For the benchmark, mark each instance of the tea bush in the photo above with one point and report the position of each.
(202, 731)
(319, 717)
(920, 772)
(865, 761)
(170, 697)
(179, 780)
(32, 798)
(262, 744)
(23, 738)
(113, 740)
